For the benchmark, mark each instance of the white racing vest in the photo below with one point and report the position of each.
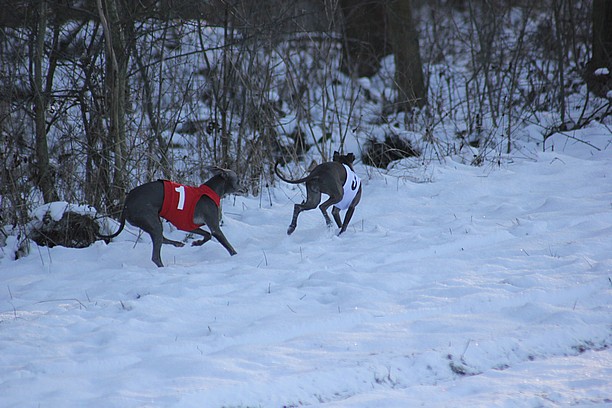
(351, 187)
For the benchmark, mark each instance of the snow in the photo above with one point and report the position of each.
(453, 286)
(56, 210)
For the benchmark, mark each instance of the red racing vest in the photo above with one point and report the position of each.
(180, 202)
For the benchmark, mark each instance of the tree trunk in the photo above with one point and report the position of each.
(116, 78)
(365, 42)
(598, 82)
(44, 177)
(408, 68)
(375, 28)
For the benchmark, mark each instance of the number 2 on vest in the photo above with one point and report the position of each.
(181, 191)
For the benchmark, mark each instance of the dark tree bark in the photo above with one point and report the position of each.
(375, 28)
(44, 174)
(602, 34)
(116, 84)
(408, 67)
(602, 48)
(365, 40)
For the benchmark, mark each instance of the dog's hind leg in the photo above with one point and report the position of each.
(296, 211)
(154, 228)
(177, 244)
(152, 225)
(156, 254)
(336, 214)
(313, 198)
(328, 203)
(159, 239)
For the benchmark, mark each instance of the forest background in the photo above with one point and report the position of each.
(100, 96)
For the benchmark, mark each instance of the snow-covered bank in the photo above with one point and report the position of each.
(482, 288)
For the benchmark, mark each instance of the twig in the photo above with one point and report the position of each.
(265, 257)
(465, 349)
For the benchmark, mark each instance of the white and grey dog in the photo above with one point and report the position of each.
(338, 180)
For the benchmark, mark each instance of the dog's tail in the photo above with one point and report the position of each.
(121, 226)
(298, 181)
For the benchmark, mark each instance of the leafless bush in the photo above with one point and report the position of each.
(380, 154)
(497, 66)
(16, 155)
(73, 230)
(256, 82)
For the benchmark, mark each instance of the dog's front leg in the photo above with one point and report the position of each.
(172, 242)
(216, 232)
(205, 234)
(347, 219)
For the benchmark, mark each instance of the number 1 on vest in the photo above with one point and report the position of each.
(181, 202)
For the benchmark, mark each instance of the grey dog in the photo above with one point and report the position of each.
(338, 180)
(146, 203)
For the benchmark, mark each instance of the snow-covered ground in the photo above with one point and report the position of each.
(453, 286)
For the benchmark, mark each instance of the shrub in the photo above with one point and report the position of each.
(380, 154)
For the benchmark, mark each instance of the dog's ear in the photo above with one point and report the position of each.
(313, 164)
(350, 157)
(336, 156)
(227, 174)
(215, 170)
(218, 171)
